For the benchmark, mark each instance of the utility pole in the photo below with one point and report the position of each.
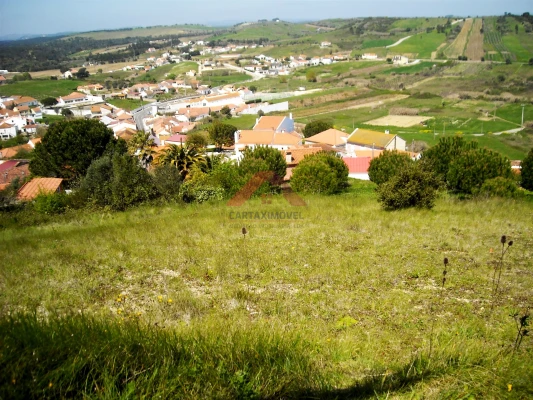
(523, 105)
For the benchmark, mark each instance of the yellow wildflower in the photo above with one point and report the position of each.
(169, 301)
(50, 385)
(160, 298)
(509, 387)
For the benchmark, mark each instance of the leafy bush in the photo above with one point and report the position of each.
(263, 158)
(50, 203)
(322, 172)
(438, 158)
(410, 187)
(526, 174)
(119, 182)
(388, 164)
(499, 187)
(467, 173)
(314, 127)
(167, 180)
(227, 175)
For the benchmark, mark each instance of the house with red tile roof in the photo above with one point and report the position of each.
(11, 170)
(332, 137)
(358, 167)
(7, 131)
(36, 186)
(71, 99)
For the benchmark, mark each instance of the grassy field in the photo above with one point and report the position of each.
(40, 89)
(420, 45)
(342, 302)
(223, 77)
(126, 104)
(142, 32)
(418, 23)
(272, 31)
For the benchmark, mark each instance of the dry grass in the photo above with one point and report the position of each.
(403, 121)
(474, 48)
(458, 46)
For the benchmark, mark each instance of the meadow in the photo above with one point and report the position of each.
(41, 88)
(344, 300)
(420, 45)
(144, 32)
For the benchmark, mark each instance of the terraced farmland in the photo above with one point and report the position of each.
(474, 48)
(458, 46)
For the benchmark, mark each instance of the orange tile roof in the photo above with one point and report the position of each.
(10, 152)
(333, 137)
(268, 138)
(5, 125)
(73, 96)
(38, 185)
(298, 154)
(25, 99)
(268, 123)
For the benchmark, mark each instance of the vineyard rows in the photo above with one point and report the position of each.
(493, 39)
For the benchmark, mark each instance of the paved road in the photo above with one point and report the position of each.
(398, 42)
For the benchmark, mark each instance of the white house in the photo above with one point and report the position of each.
(369, 56)
(400, 60)
(325, 44)
(71, 99)
(7, 131)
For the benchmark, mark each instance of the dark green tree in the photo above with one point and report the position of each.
(526, 172)
(222, 134)
(49, 101)
(410, 187)
(68, 148)
(321, 173)
(314, 127)
(82, 73)
(263, 158)
(388, 164)
(183, 158)
(468, 172)
(437, 159)
(197, 139)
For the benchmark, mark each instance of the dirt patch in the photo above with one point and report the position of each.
(402, 121)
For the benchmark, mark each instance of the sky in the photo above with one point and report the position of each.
(54, 16)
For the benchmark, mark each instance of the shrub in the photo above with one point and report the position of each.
(119, 182)
(131, 183)
(438, 158)
(50, 203)
(410, 187)
(263, 158)
(322, 172)
(167, 181)
(227, 175)
(468, 172)
(526, 172)
(388, 164)
(314, 127)
(499, 187)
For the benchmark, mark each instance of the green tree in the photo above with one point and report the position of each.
(410, 187)
(184, 158)
(388, 164)
(131, 183)
(222, 134)
(82, 73)
(468, 172)
(320, 173)
(68, 148)
(526, 172)
(49, 101)
(142, 145)
(253, 88)
(225, 111)
(314, 127)
(199, 140)
(310, 76)
(263, 158)
(437, 159)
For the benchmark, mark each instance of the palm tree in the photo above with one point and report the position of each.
(184, 158)
(142, 146)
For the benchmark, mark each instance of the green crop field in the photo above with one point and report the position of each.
(418, 23)
(367, 44)
(422, 44)
(126, 104)
(344, 302)
(41, 88)
(217, 79)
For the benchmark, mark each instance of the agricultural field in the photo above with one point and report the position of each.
(418, 23)
(272, 31)
(401, 121)
(145, 32)
(458, 46)
(346, 303)
(223, 77)
(126, 104)
(474, 48)
(41, 88)
(420, 45)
